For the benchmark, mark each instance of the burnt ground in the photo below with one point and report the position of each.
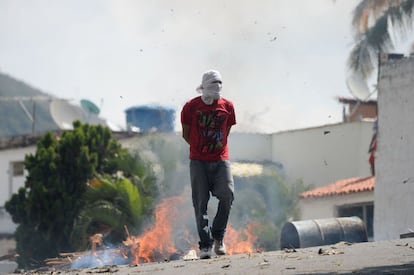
(381, 257)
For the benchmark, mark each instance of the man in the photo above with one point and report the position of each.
(206, 122)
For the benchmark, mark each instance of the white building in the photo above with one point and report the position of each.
(324, 154)
(12, 175)
(343, 198)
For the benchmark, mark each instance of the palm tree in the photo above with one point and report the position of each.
(110, 204)
(375, 23)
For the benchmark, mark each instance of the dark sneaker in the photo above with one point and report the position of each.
(205, 253)
(219, 248)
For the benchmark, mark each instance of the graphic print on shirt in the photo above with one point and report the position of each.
(210, 130)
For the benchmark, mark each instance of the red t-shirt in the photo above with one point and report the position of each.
(209, 126)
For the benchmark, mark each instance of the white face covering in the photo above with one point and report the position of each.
(210, 87)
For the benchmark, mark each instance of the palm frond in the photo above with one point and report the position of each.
(109, 203)
(133, 198)
(367, 11)
(98, 213)
(364, 55)
(101, 189)
(376, 39)
(401, 17)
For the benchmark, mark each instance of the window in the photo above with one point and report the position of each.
(17, 168)
(365, 211)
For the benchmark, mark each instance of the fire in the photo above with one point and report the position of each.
(240, 241)
(96, 240)
(168, 236)
(156, 241)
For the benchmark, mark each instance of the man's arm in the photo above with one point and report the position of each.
(228, 130)
(186, 133)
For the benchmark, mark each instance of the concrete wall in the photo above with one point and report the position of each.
(250, 146)
(322, 155)
(242, 146)
(317, 155)
(394, 187)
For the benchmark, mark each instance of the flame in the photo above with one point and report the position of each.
(156, 241)
(240, 241)
(96, 240)
(161, 239)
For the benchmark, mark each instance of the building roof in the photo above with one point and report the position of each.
(23, 109)
(7, 143)
(354, 101)
(341, 187)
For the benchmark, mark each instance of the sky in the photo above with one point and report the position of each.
(283, 62)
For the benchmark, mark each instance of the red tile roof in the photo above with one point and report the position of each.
(341, 187)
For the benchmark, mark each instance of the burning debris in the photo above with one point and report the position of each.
(96, 257)
(241, 241)
(159, 243)
(133, 243)
(96, 240)
(156, 243)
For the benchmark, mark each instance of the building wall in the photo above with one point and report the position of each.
(358, 111)
(325, 207)
(242, 146)
(322, 155)
(318, 156)
(250, 146)
(394, 187)
(10, 184)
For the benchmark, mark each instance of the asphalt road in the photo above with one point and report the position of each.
(381, 257)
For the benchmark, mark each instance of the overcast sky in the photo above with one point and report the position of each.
(283, 62)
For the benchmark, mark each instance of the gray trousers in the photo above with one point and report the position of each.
(214, 177)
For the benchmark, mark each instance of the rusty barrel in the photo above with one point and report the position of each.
(307, 233)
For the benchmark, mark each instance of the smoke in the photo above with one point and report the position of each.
(168, 155)
(279, 55)
(263, 203)
(250, 44)
(107, 256)
(263, 197)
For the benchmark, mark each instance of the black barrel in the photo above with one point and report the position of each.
(307, 233)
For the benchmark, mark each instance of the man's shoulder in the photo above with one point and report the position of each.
(225, 101)
(195, 100)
